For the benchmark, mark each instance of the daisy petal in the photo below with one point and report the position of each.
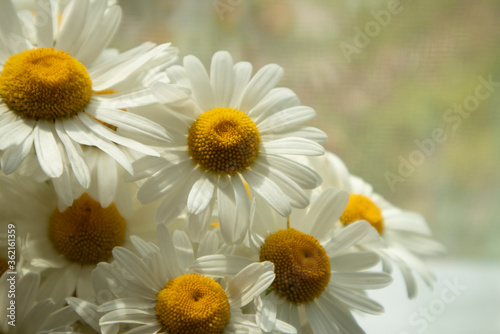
(221, 77)
(47, 152)
(14, 156)
(263, 81)
(43, 22)
(242, 73)
(293, 146)
(286, 118)
(269, 191)
(348, 237)
(202, 90)
(355, 261)
(250, 282)
(319, 321)
(357, 300)
(72, 23)
(75, 156)
(200, 195)
(220, 265)
(361, 280)
(277, 99)
(326, 210)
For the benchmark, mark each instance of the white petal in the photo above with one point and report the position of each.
(319, 321)
(249, 283)
(128, 316)
(355, 261)
(167, 249)
(348, 237)
(47, 151)
(301, 174)
(183, 250)
(75, 156)
(198, 224)
(293, 146)
(202, 90)
(221, 77)
(43, 22)
(242, 72)
(79, 133)
(132, 303)
(361, 280)
(339, 314)
(10, 26)
(87, 311)
(277, 99)
(72, 23)
(220, 265)
(107, 180)
(296, 195)
(135, 267)
(15, 132)
(326, 210)
(110, 135)
(263, 81)
(269, 191)
(200, 195)
(101, 36)
(14, 156)
(356, 300)
(286, 118)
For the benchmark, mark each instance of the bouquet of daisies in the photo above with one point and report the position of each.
(140, 193)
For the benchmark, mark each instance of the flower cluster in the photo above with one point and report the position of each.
(148, 195)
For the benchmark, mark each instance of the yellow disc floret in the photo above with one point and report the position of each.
(224, 141)
(301, 264)
(85, 232)
(192, 303)
(361, 207)
(45, 83)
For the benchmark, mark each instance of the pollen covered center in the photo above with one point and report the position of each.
(45, 83)
(224, 141)
(361, 207)
(85, 232)
(192, 303)
(301, 264)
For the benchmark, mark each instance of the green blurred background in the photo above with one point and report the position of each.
(395, 88)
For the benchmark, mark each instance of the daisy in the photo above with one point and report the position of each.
(31, 316)
(159, 294)
(407, 235)
(320, 277)
(53, 99)
(65, 246)
(231, 131)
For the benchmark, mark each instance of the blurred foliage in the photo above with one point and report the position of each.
(394, 91)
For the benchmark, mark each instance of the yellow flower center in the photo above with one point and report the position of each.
(224, 141)
(301, 265)
(362, 208)
(192, 303)
(3, 266)
(45, 83)
(85, 232)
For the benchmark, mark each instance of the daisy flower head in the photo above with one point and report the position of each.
(158, 293)
(407, 236)
(320, 275)
(231, 132)
(64, 246)
(54, 100)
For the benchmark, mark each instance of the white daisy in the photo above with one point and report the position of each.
(65, 246)
(230, 130)
(320, 277)
(53, 99)
(407, 235)
(159, 294)
(24, 314)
